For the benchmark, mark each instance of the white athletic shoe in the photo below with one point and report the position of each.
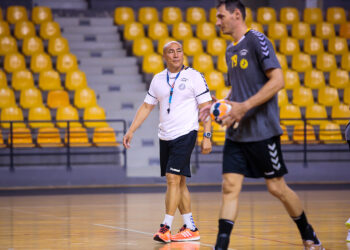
(347, 223)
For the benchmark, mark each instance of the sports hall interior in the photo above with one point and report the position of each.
(74, 72)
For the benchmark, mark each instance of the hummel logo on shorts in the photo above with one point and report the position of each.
(175, 170)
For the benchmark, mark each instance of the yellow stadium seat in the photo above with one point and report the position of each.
(171, 15)
(40, 62)
(8, 44)
(223, 92)
(328, 96)
(346, 96)
(104, 137)
(21, 138)
(162, 42)
(41, 14)
(282, 60)
(203, 63)
(133, 30)
(97, 114)
(142, 46)
(30, 97)
(266, 15)
(49, 137)
(24, 29)
(212, 15)
(148, 15)
(218, 134)
(22, 79)
(14, 62)
(124, 15)
(182, 30)
(344, 30)
(221, 64)
(12, 113)
(248, 15)
(152, 63)
(256, 26)
(66, 62)
(289, 15)
(84, 98)
(292, 112)
(192, 46)
(32, 45)
(303, 97)
(313, 15)
(205, 31)
(301, 30)
(4, 28)
(336, 15)
(277, 30)
(326, 62)
(285, 137)
(1, 17)
(299, 134)
(316, 114)
(330, 133)
(2, 144)
(215, 80)
(345, 61)
(325, 30)
(49, 29)
(342, 113)
(75, 79)
(37, 115)
(195, 15)
(226, 37)
(3, 79)
(301, 62)
(186, 61)
(7, 98)
(282, 97)
(313, 46)
(289, 46)
(291, 79)
(158, 30)
(337, 46)
(49, 80)
(77, 137)
(57, 99)
(67, 113)
(339, 79)
(16, 14)
(314, 79)
(216, 46)
(58, 46)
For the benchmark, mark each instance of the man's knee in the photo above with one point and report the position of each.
(231, 184)
(277, 187)
(173, 179)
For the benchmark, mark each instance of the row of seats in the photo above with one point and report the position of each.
(196, 15)
(51, 137)
(39, 14)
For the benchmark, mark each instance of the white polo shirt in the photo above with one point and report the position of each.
(190, 90)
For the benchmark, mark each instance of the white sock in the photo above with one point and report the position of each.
(168, 220)
(188, 220)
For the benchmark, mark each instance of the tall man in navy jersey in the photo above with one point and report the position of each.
(253, 149)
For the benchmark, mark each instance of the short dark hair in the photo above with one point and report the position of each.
(231, 5)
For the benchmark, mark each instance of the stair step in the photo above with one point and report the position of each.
(92, 38)
(118, 79)
(85, 21)
(120, 62)
(89, 54)
(90, 30)
(94, 45)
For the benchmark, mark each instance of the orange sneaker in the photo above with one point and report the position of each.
(163, 235)
(186, 234)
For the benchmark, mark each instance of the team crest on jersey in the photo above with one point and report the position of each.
(184, 79)
(182, 86)
(243, 52)
(243, 63)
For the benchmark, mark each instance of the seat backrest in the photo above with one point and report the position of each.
(289, 46)
(49, 29)
(12, 113)
(67, 113)
(152, 63)
(340, 111)
(338, 45)
(205, 31)
(40, 62)
(256, 26)
(66, 62)
(7, 98)
(215, 80)
(203, 63)
(104, 136)
(57, 99)
(16, 14)
(182, 31)
(8, 44)
(290, 111)
(84, 97)
(24, 29)
(277, 30)
(316, 112)
(124, 15)
(148, 15)
(192, 46)
(266, 15)
(303, 97)
(3, 79)
(216, 46)
(339, 78)
(325, 30)
(171, 15)
(75, 79)
(133, 30)
(158, 30)
(22, 79)
(32, 45)
(344, 30)
(49, 80)
(313, 46)
(77, 136)
(49, 137)
(346, 96)
(282, 60)
(326, 62)
(40, 113)
(345, 61)
(41, 14)
(301, 30)
(162, 42)
(4, 28)
(14, 62)
(301, 62)
(336, 15)
(328, 96)
(314, 79)
(212, 15)
(300, 131)
(95, 113)
(58, 46)
(248, 15)
(330, 133)
(221, 63)
(142, 46)
(195, 15)
(313, 15)
(282, 97)
(30, 97)
(291, 79)
(289, 15)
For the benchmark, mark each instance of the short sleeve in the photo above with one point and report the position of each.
(264, 51)
(151, 94)
(201, 89)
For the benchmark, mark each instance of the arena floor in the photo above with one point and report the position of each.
(128, 220)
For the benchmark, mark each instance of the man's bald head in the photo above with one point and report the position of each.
(169, 43)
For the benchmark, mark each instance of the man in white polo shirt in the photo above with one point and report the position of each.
(180, 92)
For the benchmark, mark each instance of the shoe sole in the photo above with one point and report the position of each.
(157, 238)
(189, 239)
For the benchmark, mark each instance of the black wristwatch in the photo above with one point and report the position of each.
(207, 134)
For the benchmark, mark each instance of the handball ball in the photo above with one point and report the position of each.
(218, 110)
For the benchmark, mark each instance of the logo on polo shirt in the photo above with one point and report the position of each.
(243, 52)
(182, 86)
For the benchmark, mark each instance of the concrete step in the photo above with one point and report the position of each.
(90, 30)
(71, 4)
(95, 45)
(90, 54)
(106, 88)
(120, 62)
(92, 38)
(118, 79)
(131, 70)
(85, 21)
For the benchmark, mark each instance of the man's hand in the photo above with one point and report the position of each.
(204, 112)
(127, 139)
(206, 146)
(238, 110)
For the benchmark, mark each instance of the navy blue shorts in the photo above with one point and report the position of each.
(175, 155)
(254, 159)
